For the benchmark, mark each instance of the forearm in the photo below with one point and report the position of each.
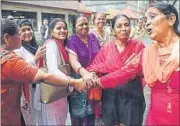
(121, 76)
(82, 71)
(58, 80)
(112, 81)
(78, 68)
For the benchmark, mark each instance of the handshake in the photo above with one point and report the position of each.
(87, 81)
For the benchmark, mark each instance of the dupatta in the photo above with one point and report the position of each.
(152, 69)
(117, 68)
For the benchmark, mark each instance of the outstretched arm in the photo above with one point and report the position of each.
(123, 75)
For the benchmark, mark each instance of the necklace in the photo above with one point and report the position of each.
(173, 41)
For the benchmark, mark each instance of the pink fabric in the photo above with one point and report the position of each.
(117, 66)
(60, 47)
(158, 111)
(153, 70)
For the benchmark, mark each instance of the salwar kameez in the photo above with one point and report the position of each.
(122, 99)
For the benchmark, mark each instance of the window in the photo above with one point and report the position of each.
(31, 16)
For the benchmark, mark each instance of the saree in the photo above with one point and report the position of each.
(122, 96)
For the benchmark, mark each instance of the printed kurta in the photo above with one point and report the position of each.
(104, 38)
(14, 72)
(79, 106)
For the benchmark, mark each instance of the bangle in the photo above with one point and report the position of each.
(68, 81)
(78, 71)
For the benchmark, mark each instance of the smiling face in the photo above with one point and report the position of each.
(100, 20)
(122, 28)
(82, 26)
(59, 31)
(26, 33)
(157, 24)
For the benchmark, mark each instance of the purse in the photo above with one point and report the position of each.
(50, 93)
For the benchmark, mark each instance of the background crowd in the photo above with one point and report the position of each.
(108, 70)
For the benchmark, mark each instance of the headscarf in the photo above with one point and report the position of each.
(30, 46)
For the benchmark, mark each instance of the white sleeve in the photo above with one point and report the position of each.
(26, 55)
(52, 59)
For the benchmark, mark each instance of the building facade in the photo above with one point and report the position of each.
(36, 11)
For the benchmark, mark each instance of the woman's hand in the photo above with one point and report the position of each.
(95, 82)
(40, 53)
(90, 79)
(80, 85)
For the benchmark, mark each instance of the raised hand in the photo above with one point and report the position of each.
(40, 53)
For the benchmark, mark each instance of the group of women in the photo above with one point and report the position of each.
(115, 66)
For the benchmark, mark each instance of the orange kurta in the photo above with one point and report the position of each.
(14, 72)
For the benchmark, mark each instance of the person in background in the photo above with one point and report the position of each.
(122, 97)
(55, 113)
(10, 17)
(82, 47)
(99, 29)
(139, 31)
(15, 72)
(31, 54)
(44, 31)
(161, 64)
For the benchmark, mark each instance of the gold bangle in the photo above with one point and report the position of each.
(68, 81)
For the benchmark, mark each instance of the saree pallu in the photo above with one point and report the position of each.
(124, 104)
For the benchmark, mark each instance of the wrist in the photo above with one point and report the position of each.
(79, 69)
(72, 82)
(68, 81)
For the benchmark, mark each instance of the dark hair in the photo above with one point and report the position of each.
(8, 27)
(53, 24)
(74, 21)
(167, 9)
(95, 15)
(26, 22)
(117, 17)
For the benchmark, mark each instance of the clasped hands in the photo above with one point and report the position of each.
(88, 81)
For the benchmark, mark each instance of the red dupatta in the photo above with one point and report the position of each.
(116, 66)
(61, 49)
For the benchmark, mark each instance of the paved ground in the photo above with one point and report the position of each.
(147, 93)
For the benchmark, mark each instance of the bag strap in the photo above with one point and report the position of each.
(60, 54)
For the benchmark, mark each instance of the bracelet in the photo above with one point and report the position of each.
(68, 81)
(79, 69)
